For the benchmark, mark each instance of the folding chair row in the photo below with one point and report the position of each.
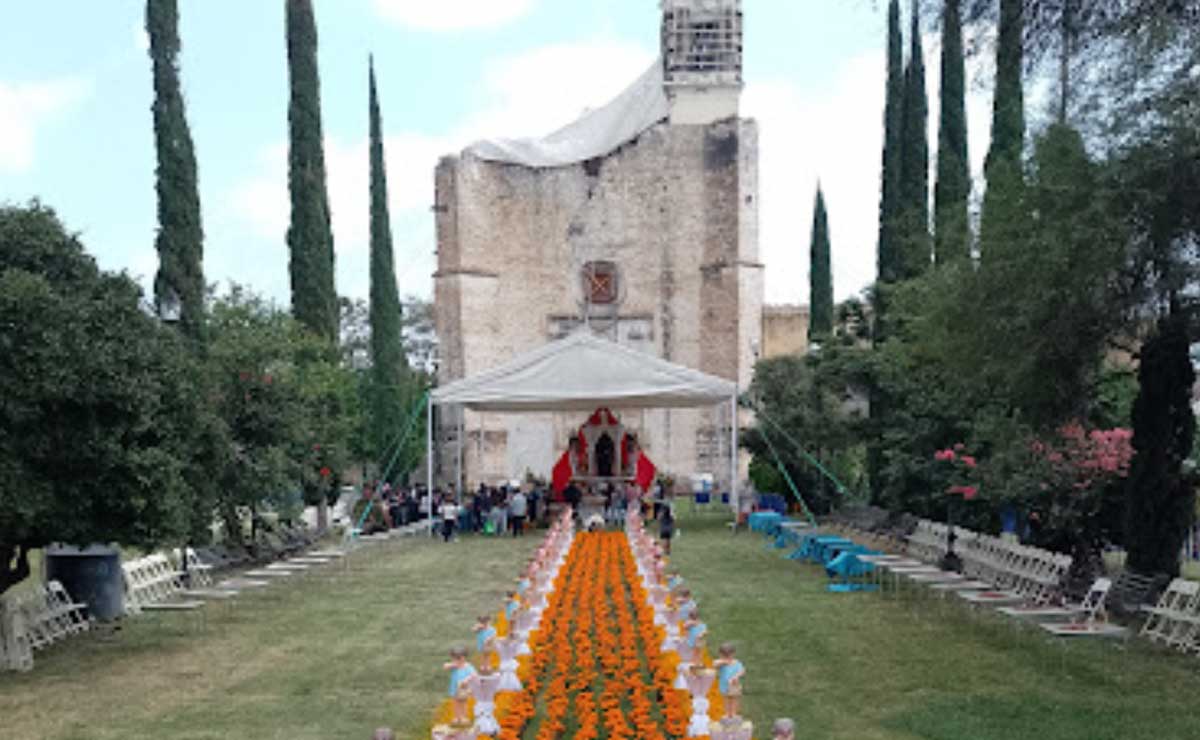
(1016, 574)
(198, 571)
(36, 619)
(1175, 620)
(152, 583)
(928, 541)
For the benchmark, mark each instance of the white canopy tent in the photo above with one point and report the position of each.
(581, 373)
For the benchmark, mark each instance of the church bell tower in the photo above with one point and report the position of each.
(702, 59)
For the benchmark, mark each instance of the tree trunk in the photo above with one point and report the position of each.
(14, 565)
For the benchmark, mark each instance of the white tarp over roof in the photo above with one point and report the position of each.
(581, 373)
(597, 133)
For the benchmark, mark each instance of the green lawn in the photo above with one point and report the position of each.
(860, 666)
(318, 659)
(334, 658)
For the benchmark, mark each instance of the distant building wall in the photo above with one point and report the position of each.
(784, 330)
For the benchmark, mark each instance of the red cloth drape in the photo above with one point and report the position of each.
(561, 475)
(645, 472)
(581, 455)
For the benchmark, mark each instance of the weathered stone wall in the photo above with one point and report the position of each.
(784, 330)
(676, 210)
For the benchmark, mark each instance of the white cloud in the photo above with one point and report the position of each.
(537, 92)
(141, 39)
(835, 138)
(513, 102)
(452, 15)
(24, 108)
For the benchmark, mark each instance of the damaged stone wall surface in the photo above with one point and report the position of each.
(675, 210)
(784, 331)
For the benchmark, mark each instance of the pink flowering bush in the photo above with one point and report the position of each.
(1079, 475)
(959, 467)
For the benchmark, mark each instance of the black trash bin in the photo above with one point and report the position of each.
(91, 575)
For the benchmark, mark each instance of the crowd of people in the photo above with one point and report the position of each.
(507, 509)
(494, 510)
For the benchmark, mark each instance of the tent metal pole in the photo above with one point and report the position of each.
(458, 473)
(733, 459)
(429, 464)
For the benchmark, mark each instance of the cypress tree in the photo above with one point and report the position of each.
(179, 284)
(892, 143)
(1160, 500)
(1004, 208)
(820, 275)
(1008, 106)
(310, 238)
(953, 188)
(388, 362)
(913, 236)
(888, 254)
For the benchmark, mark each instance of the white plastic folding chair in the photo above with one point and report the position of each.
(1163, 619)
(1090, 617)
(68, 613)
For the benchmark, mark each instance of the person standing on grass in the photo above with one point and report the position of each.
(517, 509)
(449, 519)
(477, 510)
(535, 498)
(573, 496)
(500, 507)
(666, 528)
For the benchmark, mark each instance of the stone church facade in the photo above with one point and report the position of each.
(653, 243)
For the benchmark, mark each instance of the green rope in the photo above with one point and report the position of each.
(788, 477)
(401, 439)
(841, 489)
(408, 427)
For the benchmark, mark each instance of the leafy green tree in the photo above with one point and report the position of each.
(389, 366)
(310, 237)
(290, 404)
(1161, 498)
(802, 400)
(258, 396)
(333, 408)
(820, 275)
(953, 188)
(97, 406)
(913, 237)
(179, 285)
(1057, 285)
(893, 120)
(929, 406)
(1033, 326)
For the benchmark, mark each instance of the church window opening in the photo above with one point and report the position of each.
(702, 42)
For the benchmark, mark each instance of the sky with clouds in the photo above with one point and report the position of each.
(76, 129)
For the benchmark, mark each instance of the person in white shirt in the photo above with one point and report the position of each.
(518, 507)
(449, 519)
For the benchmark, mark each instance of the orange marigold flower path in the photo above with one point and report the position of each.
(597, 669)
